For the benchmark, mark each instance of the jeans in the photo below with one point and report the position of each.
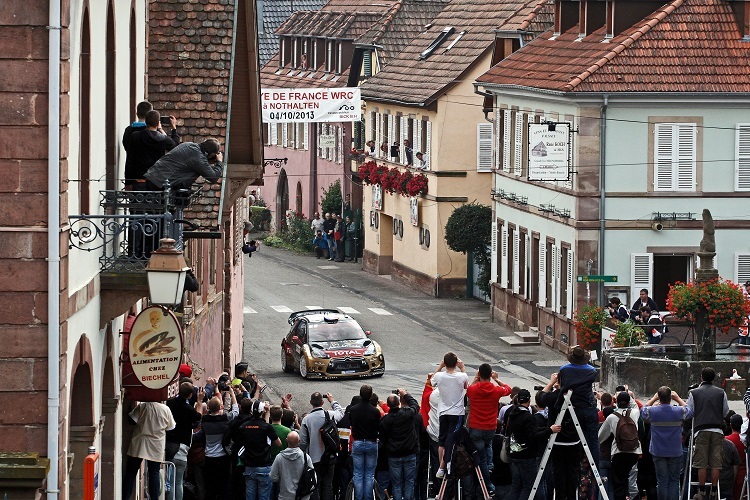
(589, 419)
(403, 471)
(257, 483)
(622, 463)
(131, 472)
(668, 477)
(216, 470)
(324, 471)
(523, 473)
(364, 459)
(331, 249)
(566, 470)
(483, 443)
(605, 472)
(177, 454)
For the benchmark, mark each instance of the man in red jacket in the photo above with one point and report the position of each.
(484, 394)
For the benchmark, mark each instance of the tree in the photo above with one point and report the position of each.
(332, 200)
(469, 229)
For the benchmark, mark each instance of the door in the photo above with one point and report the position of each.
(668, 269)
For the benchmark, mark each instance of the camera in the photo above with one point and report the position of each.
(165, 121)
(538, 387)
(395, 391)
(620, 388)
(223, 386)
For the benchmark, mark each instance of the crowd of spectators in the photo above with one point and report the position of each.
(335, 237)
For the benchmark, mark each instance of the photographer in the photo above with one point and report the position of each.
(618, 310)
(217, 464)
(148, 145)
(184, 164)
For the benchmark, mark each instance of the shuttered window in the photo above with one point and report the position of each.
(641, 273)
(428, 139)
(518, 144)
(484, 147)
(741, 268)
(675, 156)
(742, 158)
(506, 139)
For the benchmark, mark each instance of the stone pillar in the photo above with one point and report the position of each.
(22, 475)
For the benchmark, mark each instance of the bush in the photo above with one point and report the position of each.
(332, 200)
(469, 229)
(273, 241)
(260, 216)
(628, 334)
(298, 233)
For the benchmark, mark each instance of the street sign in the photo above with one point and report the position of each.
(597, 278)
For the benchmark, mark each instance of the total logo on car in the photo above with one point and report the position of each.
(324, 343)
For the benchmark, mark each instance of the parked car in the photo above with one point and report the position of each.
(324, 343)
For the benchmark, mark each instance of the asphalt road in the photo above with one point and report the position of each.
(414, 330)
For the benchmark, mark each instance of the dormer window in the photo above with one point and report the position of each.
(442, 36)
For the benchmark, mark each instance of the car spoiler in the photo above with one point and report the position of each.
(308, 312)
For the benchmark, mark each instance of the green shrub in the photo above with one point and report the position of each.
(260, 217)
(331, 200)
(298, 234)
(469, 229)
(273, 241)
(628, 334)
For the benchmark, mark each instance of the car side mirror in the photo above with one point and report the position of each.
(295, 338)
(368, 332)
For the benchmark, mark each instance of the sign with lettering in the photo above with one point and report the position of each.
(155, 347)
(549, 152)
(311, 105)
(597, 278)
(327, 141)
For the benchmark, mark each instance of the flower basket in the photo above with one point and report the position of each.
(722, 301)
(366, 171)
(628, 334)
(416, 186)
(391, 180)
(588, 322)
(403, 181)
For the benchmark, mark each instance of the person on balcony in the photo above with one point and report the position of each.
(148, 145)
(184, 164)
(138, 125)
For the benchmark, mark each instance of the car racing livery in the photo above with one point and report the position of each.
(324, 343)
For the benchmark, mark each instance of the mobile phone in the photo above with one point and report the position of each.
(165, 121)
(263, 389)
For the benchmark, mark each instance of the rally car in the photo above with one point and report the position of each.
(324, 343)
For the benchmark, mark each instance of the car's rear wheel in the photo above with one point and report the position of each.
(303, 366)
(285, 362)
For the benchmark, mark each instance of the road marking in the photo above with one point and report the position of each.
(549, 363)
(249, 310)
(328, 267)
(348, 310)
(380, 311)
(281, 309)
(313, 307)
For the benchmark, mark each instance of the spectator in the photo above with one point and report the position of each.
(400, 439)
(320, 244)
(622, 460)
(365, 420)
(525, 437)
(139, 124)
(178, 439)
(709, 405)
(666, 438)
(431, 419)
(339, 235)
(729, 470)
(311, 443)
(148, 145)
(249, 382)
(350, 233)
(288, 466)
(419, 162)
(643, 301)
(184, 164)
(342, 474)
(217, 464)
(606, 403)
(452, 383)
(152, 421)
(735, 424)
(317, 223)
(617, 309)
(484, 393)
(232, 436)
(409, 152)
(275, 413)
(256, 437)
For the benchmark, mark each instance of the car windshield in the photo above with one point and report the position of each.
(332, 332)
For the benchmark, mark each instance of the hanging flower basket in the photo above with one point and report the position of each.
(723, 301)
(417, 185)
(366, 171)
(392, 180)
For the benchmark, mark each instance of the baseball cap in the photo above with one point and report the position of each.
(523, 396)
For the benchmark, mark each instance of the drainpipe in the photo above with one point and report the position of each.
(53, 250)
(602, 196)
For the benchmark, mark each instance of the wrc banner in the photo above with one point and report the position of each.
(311, 105)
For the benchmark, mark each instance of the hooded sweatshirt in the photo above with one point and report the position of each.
(484, 397)
(287, 469)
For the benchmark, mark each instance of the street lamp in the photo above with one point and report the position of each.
(166, 271)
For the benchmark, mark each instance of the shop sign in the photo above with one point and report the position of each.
(155, 347)
(549, 152)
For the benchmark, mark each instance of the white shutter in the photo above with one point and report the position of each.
(542, 299)
(297, 136)
(687, 135)
(497, 136)
(273, 134)
(569, 285)
(555, 279)
(741, 267)
(418, 137)
(742, 158)
(516, 238)
(339, 144)
(404, 135)
(484, 147)
(506, 139)
(518, 145)
(663, 178)
(641, 273)
(370, 129)
(305, 136)
(427, 157)
(527, 268)
(284, 135)
(504, 257)
(493, 257)
(391, 135)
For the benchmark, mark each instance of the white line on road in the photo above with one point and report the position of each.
(380, 311)
(348, 310)
(328, 267)
(313, 307)
(249, 310)
(281, 309)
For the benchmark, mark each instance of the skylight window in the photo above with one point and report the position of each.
(442, 36)
(455, 41)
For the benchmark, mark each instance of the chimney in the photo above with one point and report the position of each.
(741, 11)
(610, 20)
(566, 15)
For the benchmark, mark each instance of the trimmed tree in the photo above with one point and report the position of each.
(469, 229)
(332, 200)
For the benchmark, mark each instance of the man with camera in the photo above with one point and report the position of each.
(401, 442)
(365, 423)
(312, 444)
(148, 145)
(178, 439)
(218, 462)
(256, 436)
(617, 309)
(184, 164)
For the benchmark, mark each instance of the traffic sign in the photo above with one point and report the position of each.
(597, 278)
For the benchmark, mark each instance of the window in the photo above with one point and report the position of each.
(505, 133)
(485, 159)
(424, 237)
(675, 156)
(566, 281)
(742, 158)
(518, 133)
(741, 267)
(522, 263)
(442, 36)
(510, 257)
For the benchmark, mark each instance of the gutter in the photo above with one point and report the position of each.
(53, 251)
(602, 193)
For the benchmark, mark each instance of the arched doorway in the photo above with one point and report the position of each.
(108, 426)
(298, 199)
(82, 433)
(282, 198)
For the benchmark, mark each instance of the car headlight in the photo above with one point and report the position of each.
(318, 353)
(370, 350)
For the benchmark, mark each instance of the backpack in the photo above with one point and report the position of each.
(462, 464)
(308, 481)
(626, 432)
(329, 435)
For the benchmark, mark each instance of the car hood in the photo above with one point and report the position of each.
(343, 348)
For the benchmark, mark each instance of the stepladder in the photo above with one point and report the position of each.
(460, 440)
(689, 484)
(567, 407)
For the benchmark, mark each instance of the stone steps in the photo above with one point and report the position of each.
(521, 339)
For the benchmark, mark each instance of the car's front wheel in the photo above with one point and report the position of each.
(285, 361)
(303, 366)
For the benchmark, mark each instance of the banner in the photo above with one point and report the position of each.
(311, 105)
(549, 152)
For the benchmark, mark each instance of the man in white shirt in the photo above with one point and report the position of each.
(452, 384)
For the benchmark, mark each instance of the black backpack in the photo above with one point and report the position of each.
(329, 435)
(308, 481)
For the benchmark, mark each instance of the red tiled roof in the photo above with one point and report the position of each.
(411, 80)
(683, 46)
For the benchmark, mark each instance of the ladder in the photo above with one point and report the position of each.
(566, 407)
(688, 479)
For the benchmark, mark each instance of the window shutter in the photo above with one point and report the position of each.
(641, 273)
(427, 157)
(515, 260)
(687, 134)
(284, 135)
(742, 158)
(378, 134)
(518, 145)
(484, 147)
(506, 140)
(319, 132)
(328, 132)
(527, 268)
(404, 135)
(493, 258)
(741, 267)
(569, 285)
(339, 144)
(273, 134)
(418, 136)
(542, 299)
(497, 136)
(555, 278)
(305, 136)
(663, 157)
(297, 136)
(675, 156)
(370, 128)
(504, 257)
(391, 134)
